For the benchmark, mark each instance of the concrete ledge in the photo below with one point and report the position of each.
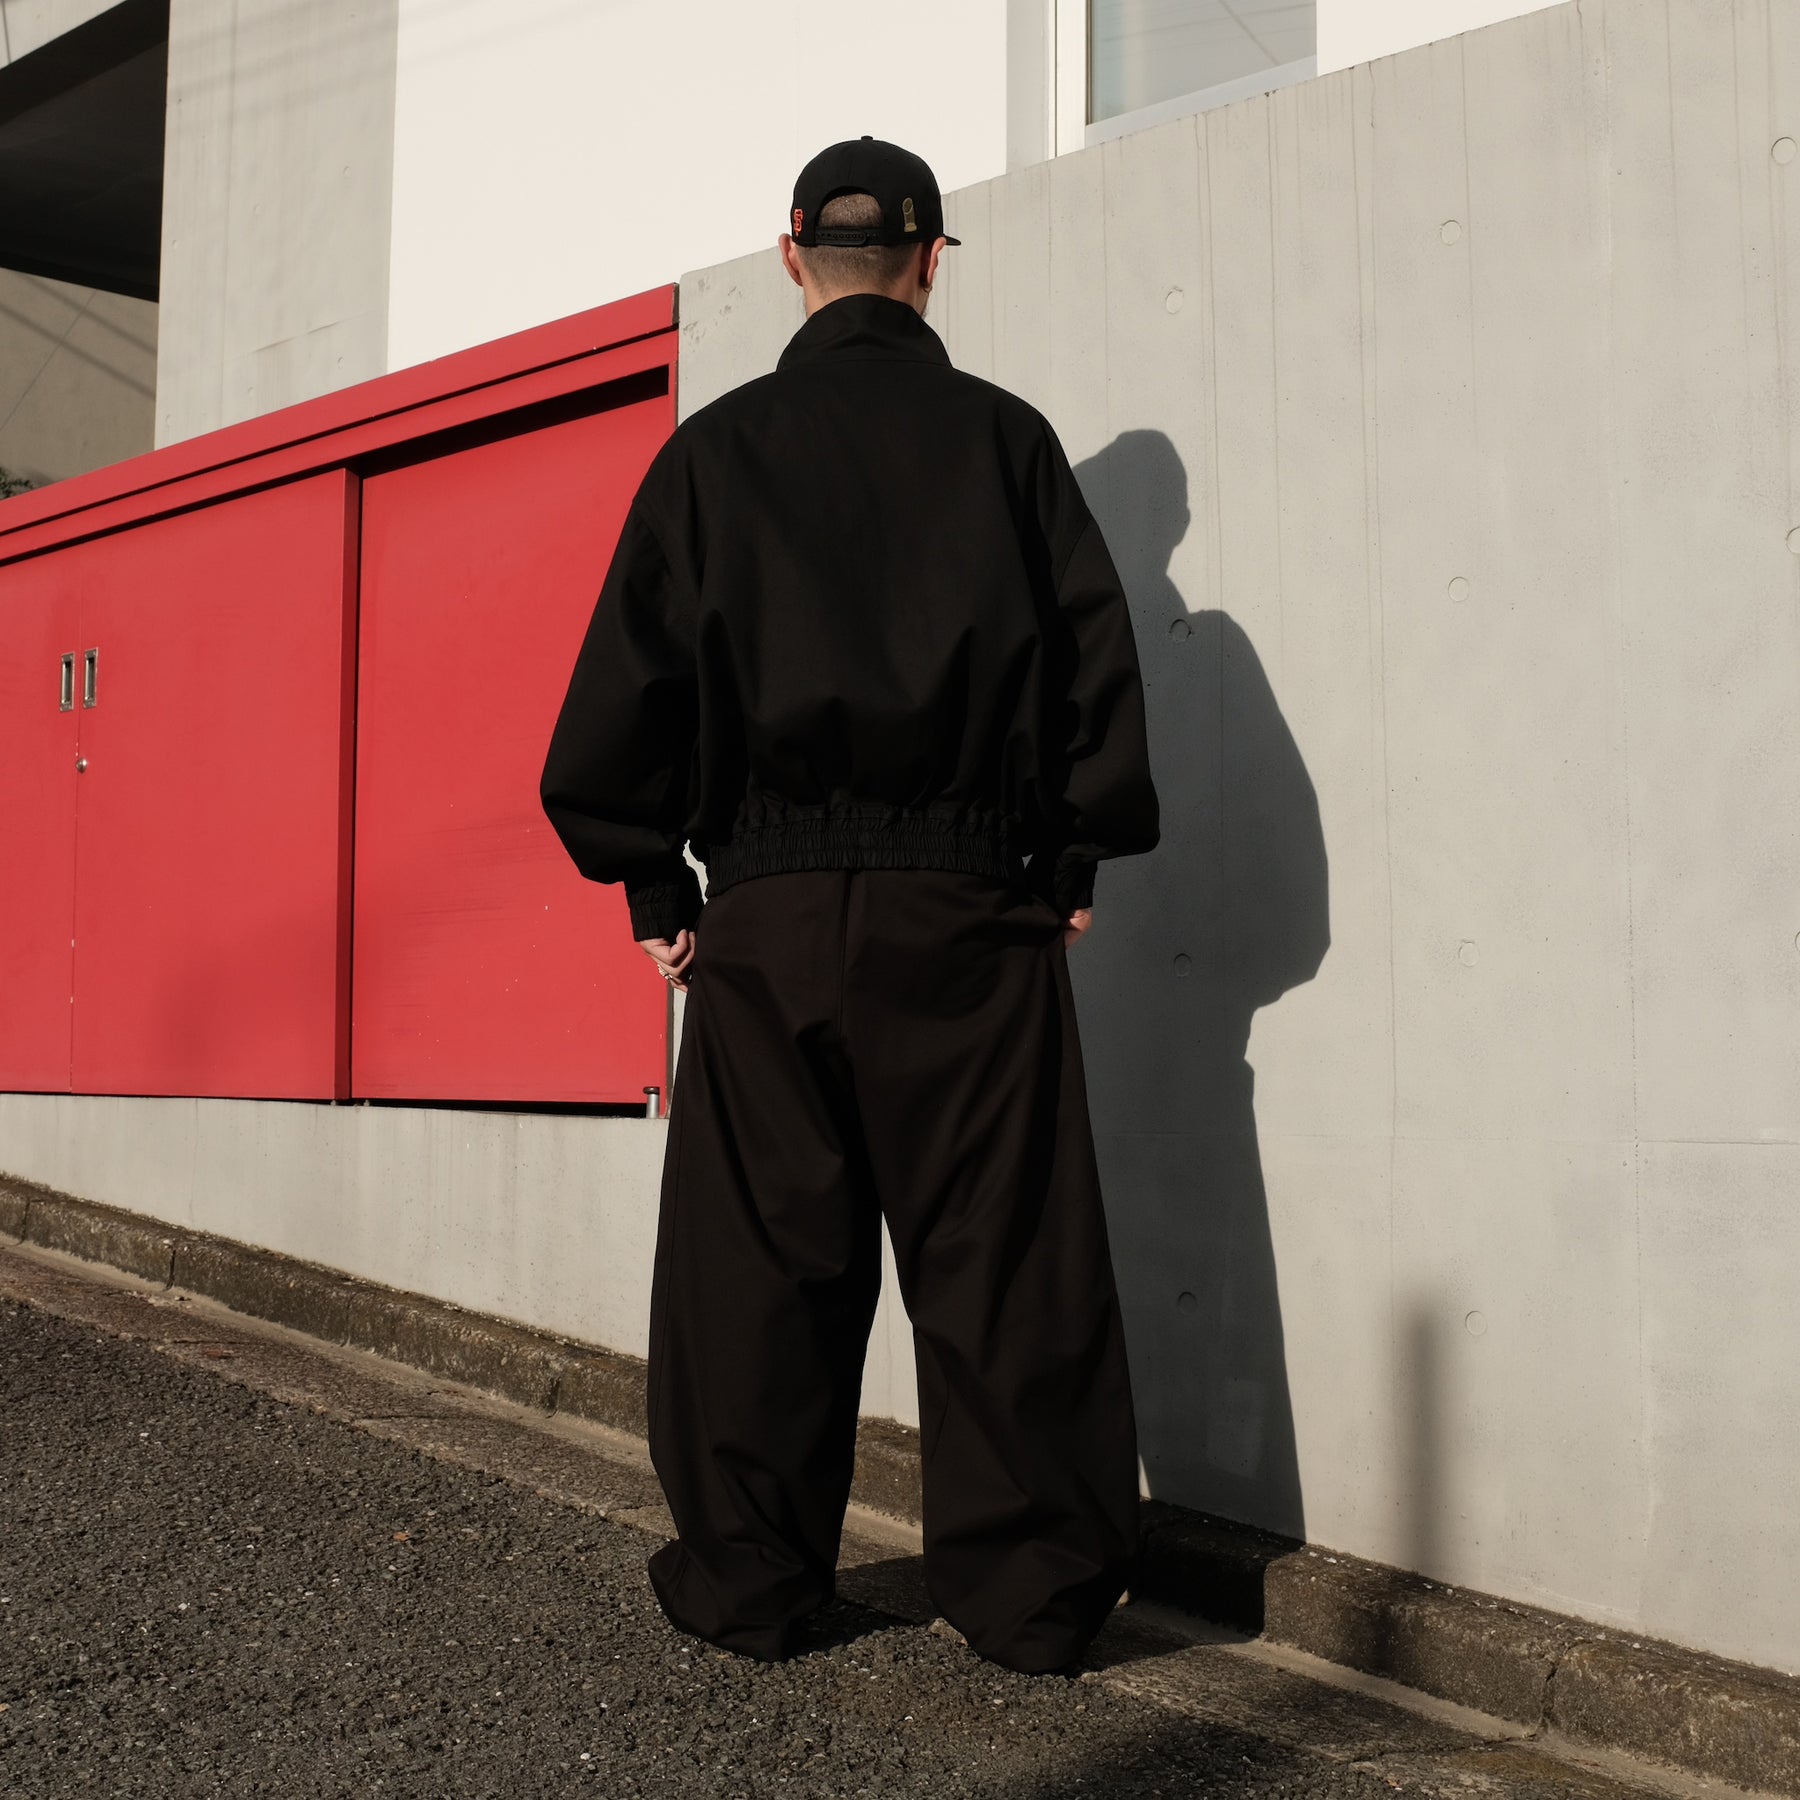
(1208, 1566)
(98, 1234)
(315, 1301)
(1459, 1646)
(1660, 1702)
(12, 1212)
(886, 1477)
(604, 1387)
(1718, 1719)
(479, 1352)
(1673, 1706)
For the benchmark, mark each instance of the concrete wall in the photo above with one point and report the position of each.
(1438, 412)
(27, 25)
(514, 1214)
(278, 176)
(1353, 31)
(77, 377)
(551, 156)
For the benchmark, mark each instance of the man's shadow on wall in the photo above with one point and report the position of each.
(1225, 916)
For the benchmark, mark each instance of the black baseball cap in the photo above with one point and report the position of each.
(912, 210)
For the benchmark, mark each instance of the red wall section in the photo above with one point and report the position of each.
(209, 887)
(306, 857)
(486, 967)
(38, 747)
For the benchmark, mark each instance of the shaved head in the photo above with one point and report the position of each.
(861, 268)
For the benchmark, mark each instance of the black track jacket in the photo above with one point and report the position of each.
(859, 617)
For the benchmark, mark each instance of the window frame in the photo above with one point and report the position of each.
(1072, 88)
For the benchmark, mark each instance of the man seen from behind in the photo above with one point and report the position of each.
(863, 649)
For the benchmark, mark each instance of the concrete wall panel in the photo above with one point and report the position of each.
(277, 189)
(1329, 1255)
(540, 1219)
(1506, 941)
(1515, 1377)
(77, 377)
(1323, 1052)
(1720, 1420)
(1704, 281)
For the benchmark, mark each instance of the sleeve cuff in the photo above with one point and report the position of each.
(664, 905)
(1072, 883)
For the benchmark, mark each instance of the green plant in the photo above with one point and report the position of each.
(11, 484)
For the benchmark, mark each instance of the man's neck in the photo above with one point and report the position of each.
(815, 300)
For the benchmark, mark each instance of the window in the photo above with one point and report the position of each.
(1144, 52)
(1082, 71)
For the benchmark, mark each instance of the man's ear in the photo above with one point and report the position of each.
(789, 260)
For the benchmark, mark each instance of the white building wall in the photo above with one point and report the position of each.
(549, 156)
(276, 173)
(1353, 31)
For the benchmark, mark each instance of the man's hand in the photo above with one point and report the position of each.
(1077, 922)
(672, 959)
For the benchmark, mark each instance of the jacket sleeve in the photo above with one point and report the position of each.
(615, 780)
(1099, 751)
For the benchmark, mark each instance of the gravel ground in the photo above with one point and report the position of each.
(205, 1590)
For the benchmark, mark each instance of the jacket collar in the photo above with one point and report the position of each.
(862, 326)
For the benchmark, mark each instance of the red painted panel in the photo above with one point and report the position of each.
(38, 747)
(211, 890)
(486, 967)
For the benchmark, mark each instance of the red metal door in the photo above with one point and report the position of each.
(212, 840)
(38, 747)
(486, 967)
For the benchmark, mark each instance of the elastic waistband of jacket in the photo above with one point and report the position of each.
(796, 844)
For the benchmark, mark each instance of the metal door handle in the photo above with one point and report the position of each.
(67, 692)
(89, 666)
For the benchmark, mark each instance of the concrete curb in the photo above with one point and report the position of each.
(1656, 1701)
(1723, 1720)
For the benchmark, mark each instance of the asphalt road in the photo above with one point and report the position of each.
(231, 1564)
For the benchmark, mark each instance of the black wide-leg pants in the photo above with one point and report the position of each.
(895, 1043)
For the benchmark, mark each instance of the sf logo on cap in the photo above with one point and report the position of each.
(799, 220)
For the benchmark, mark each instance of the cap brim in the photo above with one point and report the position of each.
(951, 240)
